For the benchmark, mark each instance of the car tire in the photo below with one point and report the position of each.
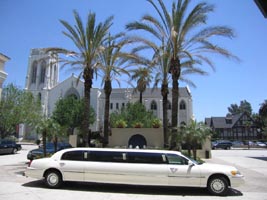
(218, 185)
(53, 179)
(14, 151)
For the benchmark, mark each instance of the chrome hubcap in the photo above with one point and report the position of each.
(217, 185)
(53, 179)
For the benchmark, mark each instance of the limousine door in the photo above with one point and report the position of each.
(181, 173)
(72, 165)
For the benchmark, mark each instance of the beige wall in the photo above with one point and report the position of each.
(154, 137)
(121, 136)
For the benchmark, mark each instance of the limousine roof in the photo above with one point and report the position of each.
(59, 153)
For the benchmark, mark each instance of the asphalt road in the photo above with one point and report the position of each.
(14, 186)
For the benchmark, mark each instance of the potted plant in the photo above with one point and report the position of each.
(138, 125)
(120, 123)
(156, 123)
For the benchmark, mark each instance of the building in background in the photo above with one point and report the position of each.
(43, 81)
(234, 127)
(3, 74)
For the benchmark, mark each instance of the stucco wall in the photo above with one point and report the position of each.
(121, 136)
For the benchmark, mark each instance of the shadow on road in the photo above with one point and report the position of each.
(130, 189)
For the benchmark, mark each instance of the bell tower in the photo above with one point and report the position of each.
(42, 75)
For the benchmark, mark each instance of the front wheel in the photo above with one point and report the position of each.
(218, 186)
(53, 179)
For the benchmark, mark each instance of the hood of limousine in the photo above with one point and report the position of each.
(217, 168)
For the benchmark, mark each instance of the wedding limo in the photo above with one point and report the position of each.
(133, 167)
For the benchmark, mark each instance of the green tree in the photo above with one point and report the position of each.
(88, 39)
(111, 66)
(132, 114)
(16, 107)
(263, 117)
(48, 128)
(67, 113)
(244, 107)
(233, 109)
(187, 36)
(193, 135)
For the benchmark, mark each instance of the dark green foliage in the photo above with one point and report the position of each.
(68, 113)
(132, 114)
(16, 107)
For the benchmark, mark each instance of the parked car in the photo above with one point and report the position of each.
(237, 143)
(222, 145)
(261, 144)
(133, 167)
(50, 149)
(9, 146)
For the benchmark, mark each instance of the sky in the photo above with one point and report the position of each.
(27, 24)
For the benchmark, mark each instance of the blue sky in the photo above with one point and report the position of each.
(27, 24)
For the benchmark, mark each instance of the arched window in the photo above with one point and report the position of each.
(169, 105)
(34, 72)
(153, 105)
(182, 105)
(43, 66)
(39, 97)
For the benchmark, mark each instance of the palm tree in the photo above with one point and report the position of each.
(187, 37)
(193, 135)
(111, 61)
(158, 65)
(48, 127)
(143, 77)
(88, 39)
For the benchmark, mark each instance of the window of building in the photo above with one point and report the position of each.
(182, 105)
(111, 106)
(153, 105)
(123, 105)
(117, 106)
(39, 97)
(43, 70)
(169, 105)
(34, 72)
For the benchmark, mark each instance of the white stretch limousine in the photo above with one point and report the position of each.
(133, 166)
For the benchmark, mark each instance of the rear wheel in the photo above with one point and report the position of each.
(218, 185)
(53, 179)
(14, 151)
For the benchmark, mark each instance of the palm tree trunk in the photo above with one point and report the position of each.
(44, 142)
(108, 90)
(88, 75)
(175, 70)
(140, 97)
(164, 93)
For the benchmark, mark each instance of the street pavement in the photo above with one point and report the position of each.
(14, 186)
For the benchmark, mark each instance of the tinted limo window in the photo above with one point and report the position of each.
(148, 158)
(106, 156)
(73, 155)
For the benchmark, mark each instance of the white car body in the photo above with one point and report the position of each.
(171, 172)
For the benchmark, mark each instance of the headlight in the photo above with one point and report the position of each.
(235, 172)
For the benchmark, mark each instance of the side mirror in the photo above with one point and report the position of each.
(190, 163)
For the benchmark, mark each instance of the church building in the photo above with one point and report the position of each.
(43, 81)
